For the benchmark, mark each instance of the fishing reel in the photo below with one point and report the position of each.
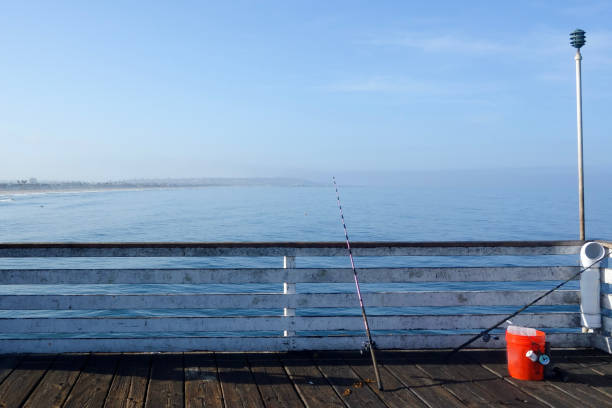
(540, 357)
(536, 356)
(487, 337)
(366, 349)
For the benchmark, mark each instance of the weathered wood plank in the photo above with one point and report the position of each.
(426, 341)
(54, 387)
(601, 365)
(474, 385)
(606, 323)
(541, 390)
(129, 386)
(166, 382)
(279, 323)
(17, 386)
(347, 384)
(463, 390)
(149, 344)
(395, 394)
(584, 384)
(586, 369)
(274, 385)
(149, 325)
(277, 275)
(496, 390)
(606, 300)
(266, 301)
(606, 275)
(430, 391)
(602, 342)
(7, 365)
(202, 387)
(313, 388)
(250, 249)
(237, 383)
(92, 386)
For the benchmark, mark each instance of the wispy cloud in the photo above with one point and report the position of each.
(440, 43)
(553, 53)
(380, 84)
(538, 42)
(540, 46)
(546, 51)
(585, 8)
(556, 76)
(391, 85)
(599, 48)
(451, 91)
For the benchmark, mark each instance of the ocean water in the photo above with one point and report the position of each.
(218, 214)
(303, 214)
(221, 214)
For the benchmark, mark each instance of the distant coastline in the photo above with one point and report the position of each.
(26, 187)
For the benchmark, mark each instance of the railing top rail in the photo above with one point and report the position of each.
(275, 249)
(297, 245)
(607, 244)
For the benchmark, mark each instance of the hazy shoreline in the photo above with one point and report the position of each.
(17, 192)
(83, 187)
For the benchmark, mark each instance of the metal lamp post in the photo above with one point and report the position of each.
(577, 40)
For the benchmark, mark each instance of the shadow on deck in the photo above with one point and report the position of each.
(311, 379)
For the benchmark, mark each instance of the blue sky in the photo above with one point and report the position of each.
(118, 90)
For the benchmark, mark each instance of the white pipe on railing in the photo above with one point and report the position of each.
(590, 311)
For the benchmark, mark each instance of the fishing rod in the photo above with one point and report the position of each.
(363, 312)
(485, 333)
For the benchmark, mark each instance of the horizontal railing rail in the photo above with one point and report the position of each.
(257, 249)
(269, 301)
(275, 275)
(45, 309)
(280, 323)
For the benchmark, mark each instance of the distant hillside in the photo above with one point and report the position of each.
(30, 185)
(223, 181)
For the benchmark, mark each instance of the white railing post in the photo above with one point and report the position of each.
(289, 289)
(603, 341)
(590, 291)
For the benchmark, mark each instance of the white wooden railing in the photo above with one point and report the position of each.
(287, 329)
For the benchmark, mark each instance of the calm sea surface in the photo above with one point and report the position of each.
(294, 214)
(303, 214)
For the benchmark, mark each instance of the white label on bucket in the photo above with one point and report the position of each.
(521, 331)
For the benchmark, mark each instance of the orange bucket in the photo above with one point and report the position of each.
(517, 346)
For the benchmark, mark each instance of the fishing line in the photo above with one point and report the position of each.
(363, 312)
(522, 309)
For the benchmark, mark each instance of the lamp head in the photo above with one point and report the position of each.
(577, 38)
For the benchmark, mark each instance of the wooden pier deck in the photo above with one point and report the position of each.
(298, 379)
